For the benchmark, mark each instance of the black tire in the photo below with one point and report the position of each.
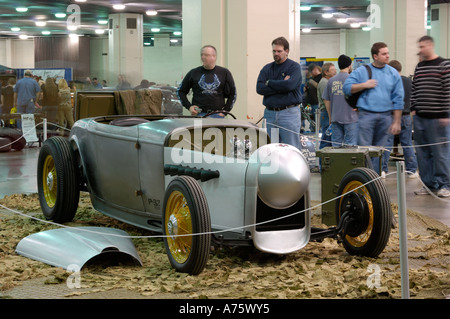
(185, 211)
(370, 218)
(5, 144)
(58, 180)
(17, 139)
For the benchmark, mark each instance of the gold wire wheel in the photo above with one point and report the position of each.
(178, 227)
(363, 238)
(49, 181)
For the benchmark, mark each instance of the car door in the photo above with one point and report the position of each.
(118, 167)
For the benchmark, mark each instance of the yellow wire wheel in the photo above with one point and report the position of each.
(367, 204)
(58, 180)
(186, 225)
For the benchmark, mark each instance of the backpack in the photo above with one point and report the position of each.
(353, 99)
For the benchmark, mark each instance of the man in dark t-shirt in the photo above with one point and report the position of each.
(213, 86)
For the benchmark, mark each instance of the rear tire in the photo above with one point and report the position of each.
(58, 180)
(186, 212)
(15, 137)
(370, 219)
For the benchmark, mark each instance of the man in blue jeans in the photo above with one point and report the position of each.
(406, 134)
(26, 95)
(381, 103)
(279, 82)
(430, 101)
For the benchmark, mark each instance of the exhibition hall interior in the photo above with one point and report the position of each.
(114, 114)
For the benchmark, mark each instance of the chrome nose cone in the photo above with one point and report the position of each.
(283, 177)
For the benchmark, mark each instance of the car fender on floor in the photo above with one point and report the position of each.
(66, 247)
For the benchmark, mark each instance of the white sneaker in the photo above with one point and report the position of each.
(413, 175)
(443, 192)
(383, 175)
(422, 191)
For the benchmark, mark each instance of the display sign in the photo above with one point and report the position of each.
(29, 128)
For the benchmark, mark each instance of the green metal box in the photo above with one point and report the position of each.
(336, 162)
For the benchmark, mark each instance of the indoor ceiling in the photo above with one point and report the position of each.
(168, 19)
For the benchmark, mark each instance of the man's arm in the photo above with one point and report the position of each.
(183, 91)
(355, 84)
(292, 81)
(328, 106)
(261, 85)
(231, 92)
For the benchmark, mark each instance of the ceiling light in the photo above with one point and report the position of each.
(21, 9)
(366, 28)
(151, 12)
(60, 15)
(428, 27)
(305, 8)
(156, 29)
(174, 40)
(23, 36)
(46, 32)
(342, 20)
(306, 30)
(99, 31)
(102, 21)
(15, 29)
(80, 0)
(327, 15)
(147, 43)
(119, 6)
(41, 23)
(72, 27)
(177, 33)
(355, 25)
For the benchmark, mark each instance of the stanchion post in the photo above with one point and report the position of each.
(403, 233)
(45, 129)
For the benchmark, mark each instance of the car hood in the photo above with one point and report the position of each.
(66, 247)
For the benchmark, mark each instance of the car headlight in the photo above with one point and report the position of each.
(283, 176)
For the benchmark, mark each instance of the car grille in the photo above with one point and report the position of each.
(265, 213)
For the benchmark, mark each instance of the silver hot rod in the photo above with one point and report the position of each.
(202, 182)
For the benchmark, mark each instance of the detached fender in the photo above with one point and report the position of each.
(76, 246)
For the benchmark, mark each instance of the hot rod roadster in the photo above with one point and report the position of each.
(203, 182)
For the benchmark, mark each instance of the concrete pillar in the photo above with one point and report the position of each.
(440, 28)
(399, 23)
(242, 32)
(126, 47)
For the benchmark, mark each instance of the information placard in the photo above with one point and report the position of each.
(29, 128)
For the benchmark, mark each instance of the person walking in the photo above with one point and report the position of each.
(212, 86)
(430, 105)
(406, 130)
(26, 95)
(381, 103)
(50, 101)
(343, 119)
(328, 71)
(280, 84)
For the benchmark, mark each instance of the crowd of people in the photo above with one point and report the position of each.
(389, 104)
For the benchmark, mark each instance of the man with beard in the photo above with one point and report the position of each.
(280, 84)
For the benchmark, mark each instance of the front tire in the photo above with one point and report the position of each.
(186, 212)
(58, 180)
(370, 214)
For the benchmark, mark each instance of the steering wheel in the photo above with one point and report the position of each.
(218, 112)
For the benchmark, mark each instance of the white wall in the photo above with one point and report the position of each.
(327, 44)
(17, 54)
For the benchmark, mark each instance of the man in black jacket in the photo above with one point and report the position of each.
(213, 86)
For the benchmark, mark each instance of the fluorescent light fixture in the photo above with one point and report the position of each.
(99, 31)
(305, 8)
(355, 25)
(119, 6)
(156, 29)
(23, 36)
(147, 43)
(102, 21)
(151, 12)
(174, 40)
(306, 30)
(327, 15)
(80, 0)
(366, 28)
(60, 15)
(177, 33)
(428, 27)
(15, 29)
(21, 9)
(342, 20)
(72, 27)
(46, 32)
(41, 23)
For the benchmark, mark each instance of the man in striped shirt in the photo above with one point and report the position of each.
(430, 102)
